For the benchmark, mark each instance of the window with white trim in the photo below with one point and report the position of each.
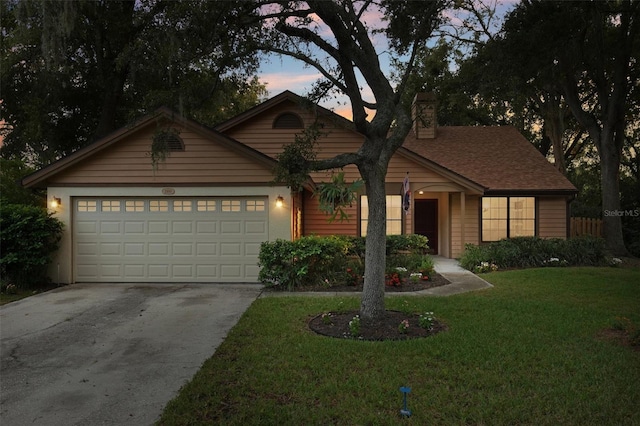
(508, 217)
(87, 206)
(134, 206)
(394, 215)
(158, 206)
(110, 205)
(206, 205)
(255, 205)
(230, 205)
(182, 205)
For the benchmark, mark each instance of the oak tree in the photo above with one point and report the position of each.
(338, 39)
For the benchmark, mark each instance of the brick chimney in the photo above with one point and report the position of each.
(423, 112)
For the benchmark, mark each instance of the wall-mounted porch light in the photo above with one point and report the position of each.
(279, 201)
(55, 203)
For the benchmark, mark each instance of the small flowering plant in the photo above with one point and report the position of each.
(354, 278)
(485, 267)
(354, 326)
(397, 276)
(326, 318)
(403, 327)
(426, 320)
(554, 261)
(393, 280)
(416, 276)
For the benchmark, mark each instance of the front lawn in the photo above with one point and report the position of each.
(531, 350)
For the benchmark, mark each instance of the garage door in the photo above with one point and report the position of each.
(168, 239)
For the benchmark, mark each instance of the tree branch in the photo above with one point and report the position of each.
(340, 160)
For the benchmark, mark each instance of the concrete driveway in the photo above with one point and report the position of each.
(109, 354)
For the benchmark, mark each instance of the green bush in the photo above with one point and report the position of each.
(334, 260)
(306, 261)
(28, 238)
(411, 242)
(532, 252)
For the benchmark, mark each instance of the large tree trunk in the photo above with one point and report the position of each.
(372, 302)
(554, 129)
(609, 178)
(607, 137)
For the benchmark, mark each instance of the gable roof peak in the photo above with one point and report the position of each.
(287, 95)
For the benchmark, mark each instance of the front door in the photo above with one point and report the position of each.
(426, 221)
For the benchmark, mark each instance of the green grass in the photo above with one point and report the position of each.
(523, 352)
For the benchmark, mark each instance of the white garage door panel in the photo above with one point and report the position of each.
(169, 239)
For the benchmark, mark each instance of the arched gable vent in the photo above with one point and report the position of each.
(288, 120)
(173, 142)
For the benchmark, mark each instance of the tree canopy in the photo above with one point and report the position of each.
(72, 72)
(584, 55)
(339, 40)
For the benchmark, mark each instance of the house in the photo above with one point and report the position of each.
(200, 215)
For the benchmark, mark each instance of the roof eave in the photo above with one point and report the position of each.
(563, 192)
(41, 176)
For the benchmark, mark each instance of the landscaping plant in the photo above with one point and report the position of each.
(28, 236)
(533, 252)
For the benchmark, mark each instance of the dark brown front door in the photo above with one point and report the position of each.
(426, 221)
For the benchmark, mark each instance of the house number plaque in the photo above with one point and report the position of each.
(168, 191)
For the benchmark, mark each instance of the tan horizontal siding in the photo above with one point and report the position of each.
(315, 222)
(128, 162)
(552, 220)
(471, 228)
(399, 166)
(261, 136)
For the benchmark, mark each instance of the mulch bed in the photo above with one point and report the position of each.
(435, 280)
(384, 329)
(337, 325)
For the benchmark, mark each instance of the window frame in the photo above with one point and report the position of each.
(509, 218)
(362, 221)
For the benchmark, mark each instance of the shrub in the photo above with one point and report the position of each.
(306, 261)
(334, 260)
(472, 256)
(426, 265)
(28, 236)
(411, 242)
(531, 252)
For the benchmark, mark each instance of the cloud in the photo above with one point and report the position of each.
(299, 81)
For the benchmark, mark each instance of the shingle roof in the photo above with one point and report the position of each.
(498, 158)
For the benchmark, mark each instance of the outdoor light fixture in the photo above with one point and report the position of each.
(279, 201)
(55, 202)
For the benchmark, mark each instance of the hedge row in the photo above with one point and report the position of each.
(311, 261)
(532, 252)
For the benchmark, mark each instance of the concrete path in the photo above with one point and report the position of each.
(461, 281)
(109, 354)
